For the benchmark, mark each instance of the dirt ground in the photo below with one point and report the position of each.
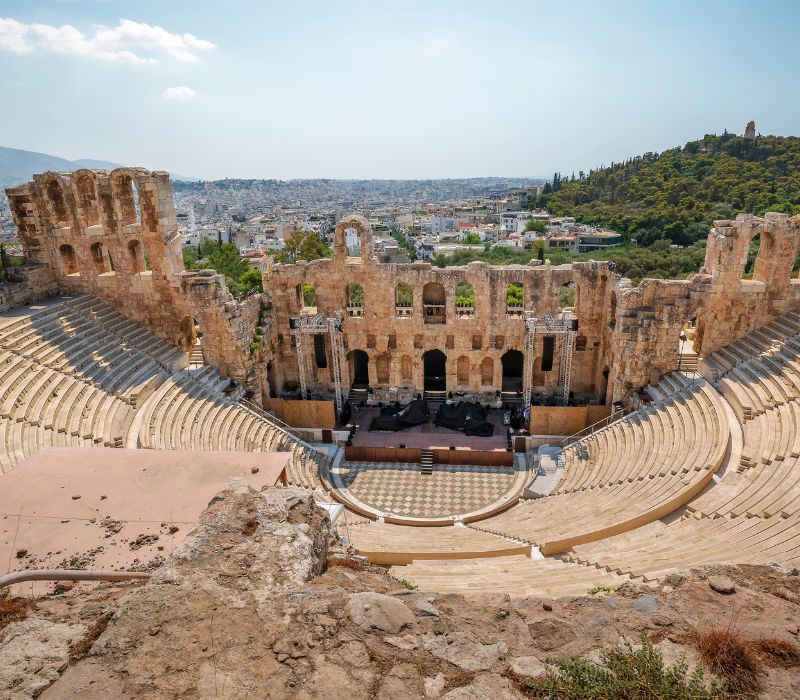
(261, 600)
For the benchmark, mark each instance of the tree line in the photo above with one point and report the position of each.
(677, 194)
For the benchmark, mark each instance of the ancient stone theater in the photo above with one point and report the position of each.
(468, 437)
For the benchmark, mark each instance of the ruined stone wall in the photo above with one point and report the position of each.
(114, 235)
(647, 320)
(33, 283)
(395, 339)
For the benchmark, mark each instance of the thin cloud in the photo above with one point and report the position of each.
(135, 43)
(179, 92)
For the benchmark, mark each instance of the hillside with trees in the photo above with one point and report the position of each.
(676, 194)
(658, 260)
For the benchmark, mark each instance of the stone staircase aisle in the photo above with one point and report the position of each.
(426, 462)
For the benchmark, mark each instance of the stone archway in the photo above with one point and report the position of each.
(359, 369)
(434, 364)
(362, 227)
(512, 363)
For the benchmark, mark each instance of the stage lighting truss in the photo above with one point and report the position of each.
(563, 327)
(304, 328)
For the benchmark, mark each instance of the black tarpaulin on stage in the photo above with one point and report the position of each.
(466, 417)
(401, 417)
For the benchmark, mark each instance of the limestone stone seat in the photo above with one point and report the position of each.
(515, 574)
(385, 543)
(654, 461)
(188, 412)
(694, 542)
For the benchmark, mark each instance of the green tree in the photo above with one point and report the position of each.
(251, 279)
(403, 242)
(302, 245)
(206, 247)
(514, 294)
(678, 193)
(538, 226)
(465, 294)
(309, 295)
(472, 238)
(355, 294)
(403, 294)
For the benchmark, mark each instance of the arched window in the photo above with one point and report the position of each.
(765, 260)
(462, 371)
(514, 299)
(87, 199)
(137, 257)
(383, 365)
(403, 300)
(566, 295)
(352, 242)
(406, 368)
(433, 303)
(68, 259)
(56, 196)
(100, 259)
(465, 300)
(128, 197)
(355, 300)
(308, 296)
(487, 371)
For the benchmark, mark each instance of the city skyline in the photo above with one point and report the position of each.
(361, 92)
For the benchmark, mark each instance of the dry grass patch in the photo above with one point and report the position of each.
(81, 648)
(250, 526)
(777, 652)
(13, 608)
(346, 562)
(732, 658)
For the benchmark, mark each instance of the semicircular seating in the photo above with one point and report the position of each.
(190, 412)
(78, 373)
(636, 470)
(752, 514)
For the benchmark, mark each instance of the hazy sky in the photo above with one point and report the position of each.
(389, 89)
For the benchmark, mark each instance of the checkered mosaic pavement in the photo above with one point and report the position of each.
(400, 489)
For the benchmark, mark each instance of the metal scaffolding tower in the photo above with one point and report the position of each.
(565, 365)
(303, 328)
(337, 355)
(527, 368)
(563, 327)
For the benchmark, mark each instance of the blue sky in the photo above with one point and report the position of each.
(389, 89)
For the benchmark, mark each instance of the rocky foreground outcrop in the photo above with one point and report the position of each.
(263, 600)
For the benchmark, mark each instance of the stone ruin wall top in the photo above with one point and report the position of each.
(87, 229)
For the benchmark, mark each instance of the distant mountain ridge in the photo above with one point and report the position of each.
(18, 166)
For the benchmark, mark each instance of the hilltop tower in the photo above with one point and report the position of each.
(750, 130)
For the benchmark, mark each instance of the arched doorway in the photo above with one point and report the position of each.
(188, 334)
(359, 369)
(434, 364)
(512, 370)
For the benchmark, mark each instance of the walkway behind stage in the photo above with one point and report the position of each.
(427, 436)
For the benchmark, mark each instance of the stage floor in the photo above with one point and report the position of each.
(400, 489)
(427, 436)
